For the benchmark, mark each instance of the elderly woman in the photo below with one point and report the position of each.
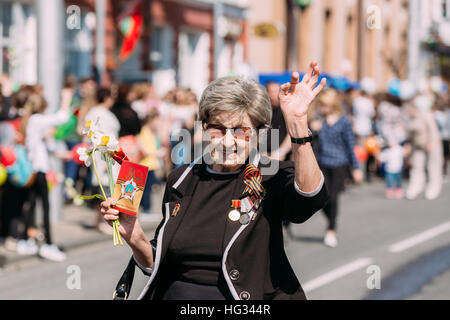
(221, 234)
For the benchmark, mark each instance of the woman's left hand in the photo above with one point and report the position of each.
(295, 97)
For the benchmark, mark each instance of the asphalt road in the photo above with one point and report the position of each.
(388, 249)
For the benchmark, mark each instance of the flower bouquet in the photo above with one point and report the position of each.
(108, 146)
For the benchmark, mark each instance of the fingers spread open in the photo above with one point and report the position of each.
(310, 72)
(312, 83)
(319, 88)
(285, 88)
(315, 75)
(294, 81)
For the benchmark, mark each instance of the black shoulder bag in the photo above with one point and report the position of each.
(123, 287)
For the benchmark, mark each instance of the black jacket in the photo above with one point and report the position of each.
(255, 265)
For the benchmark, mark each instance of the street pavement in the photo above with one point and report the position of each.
(388, 249)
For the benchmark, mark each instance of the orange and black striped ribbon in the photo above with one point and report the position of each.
(252, 179)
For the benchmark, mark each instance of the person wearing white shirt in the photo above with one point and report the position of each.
(109, 125)
(37, 126)
(392, 157)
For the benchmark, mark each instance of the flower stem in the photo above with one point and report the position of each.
(116, 233)
(96, 173)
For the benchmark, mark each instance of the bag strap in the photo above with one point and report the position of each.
(124, 285)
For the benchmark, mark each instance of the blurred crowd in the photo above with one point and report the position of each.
(145, 125)
(357, 136)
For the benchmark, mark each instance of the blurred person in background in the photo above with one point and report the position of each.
(139, 95)
(442, 117)
(37, 125)
(7, 110)
(153, 98)
(13, 154)
(427, 153)
(130, 125)
(68, 133)
(347, 101)
(336, 155)
(110, 125)
(153, 152)
(281, 148)
(393, 158)
(88, 96)
(392, 122)
(183, 109)
(363, 114)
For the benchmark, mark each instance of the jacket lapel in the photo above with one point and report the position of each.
(182, 196)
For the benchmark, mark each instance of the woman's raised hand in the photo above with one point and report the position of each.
(295, 97)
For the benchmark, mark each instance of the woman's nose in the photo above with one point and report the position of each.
(228, 140)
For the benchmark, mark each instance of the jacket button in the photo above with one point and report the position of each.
(234, 274)
(244, 295)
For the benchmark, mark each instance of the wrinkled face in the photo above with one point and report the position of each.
(229, 149)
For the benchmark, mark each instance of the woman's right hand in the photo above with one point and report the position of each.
(129, 225)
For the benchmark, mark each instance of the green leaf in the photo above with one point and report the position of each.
(98, 196)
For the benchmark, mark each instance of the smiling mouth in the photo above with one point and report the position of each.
(228, 153)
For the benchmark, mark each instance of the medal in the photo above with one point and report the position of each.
(234, 214)
(175, 210)
(246, 204)
(244, 219)
(257, 203)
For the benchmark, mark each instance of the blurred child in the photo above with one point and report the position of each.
(392, 157)
(37, 125)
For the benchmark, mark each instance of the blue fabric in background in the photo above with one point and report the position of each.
(338, 83)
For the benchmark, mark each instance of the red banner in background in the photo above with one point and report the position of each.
(131, 27)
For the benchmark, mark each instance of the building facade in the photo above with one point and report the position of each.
(182, 42)
(351, 38)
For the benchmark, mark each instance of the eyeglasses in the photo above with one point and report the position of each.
(218, 131)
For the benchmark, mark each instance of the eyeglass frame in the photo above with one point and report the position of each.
(224, 130)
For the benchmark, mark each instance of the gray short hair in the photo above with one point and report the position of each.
(236, 94)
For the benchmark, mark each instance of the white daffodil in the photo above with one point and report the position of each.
(105, 143)
(85, 156)
(90, 128)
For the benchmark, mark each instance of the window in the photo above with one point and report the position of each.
(161, 44)
(78, 46)
(18, 41)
